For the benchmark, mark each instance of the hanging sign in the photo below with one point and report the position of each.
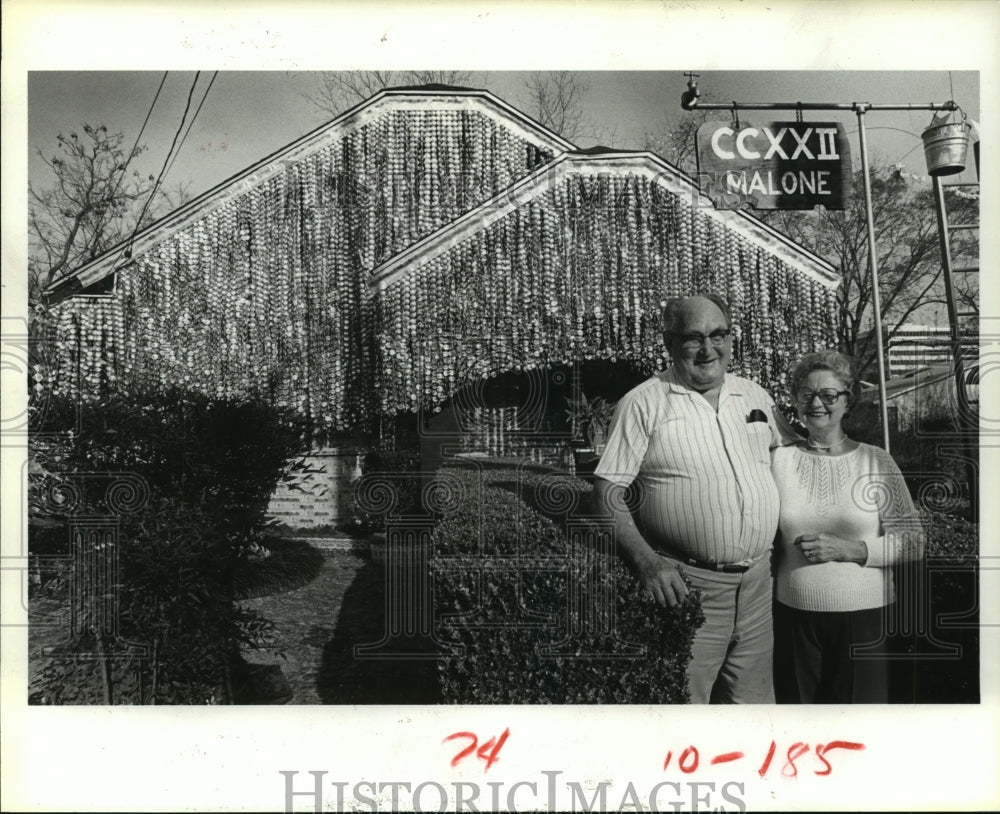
(774, 165)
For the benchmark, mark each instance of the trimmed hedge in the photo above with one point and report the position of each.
(533, 609)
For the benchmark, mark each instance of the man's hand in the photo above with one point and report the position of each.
(663, 580)
(658, 576)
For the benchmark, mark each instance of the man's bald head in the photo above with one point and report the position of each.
(675, 309)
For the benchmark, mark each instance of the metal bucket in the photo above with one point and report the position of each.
(945, 146)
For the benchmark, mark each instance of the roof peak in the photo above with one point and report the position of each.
(402, 97)
(654, 167)
(436, 87)
(600, 149)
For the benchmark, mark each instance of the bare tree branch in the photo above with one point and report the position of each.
(337, 91)
(906, 234)
(676, 141)
(556, 100)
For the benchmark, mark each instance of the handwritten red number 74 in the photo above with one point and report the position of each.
(488, 752)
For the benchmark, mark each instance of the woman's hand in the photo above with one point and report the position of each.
(817, 548)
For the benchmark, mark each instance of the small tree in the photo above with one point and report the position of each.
(93, 203)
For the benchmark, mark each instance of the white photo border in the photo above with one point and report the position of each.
(146, 759)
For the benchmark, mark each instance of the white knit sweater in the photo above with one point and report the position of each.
(860, 495)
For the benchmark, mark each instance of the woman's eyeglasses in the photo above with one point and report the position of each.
(827, 395)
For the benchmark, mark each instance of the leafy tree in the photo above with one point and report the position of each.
(336, 91)
(909, 255)
(92, 203)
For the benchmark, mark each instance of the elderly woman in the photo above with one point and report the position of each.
(846, 516)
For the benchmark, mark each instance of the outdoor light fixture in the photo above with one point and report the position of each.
(690, 96)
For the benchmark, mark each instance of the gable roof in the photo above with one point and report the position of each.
(424, 98)
(574, 262)
(601, 161)
(510, 251)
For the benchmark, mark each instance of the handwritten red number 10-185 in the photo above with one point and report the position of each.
(690, 759)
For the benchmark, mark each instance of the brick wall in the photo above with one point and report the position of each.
(327, 499)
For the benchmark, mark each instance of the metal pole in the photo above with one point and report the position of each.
(695, 104)
(873, 265)
(949, 295)
(957, 352)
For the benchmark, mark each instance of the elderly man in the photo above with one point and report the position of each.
(699, 442)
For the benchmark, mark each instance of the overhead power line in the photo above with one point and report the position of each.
(127, 251)
(131, 153)
(193, 118)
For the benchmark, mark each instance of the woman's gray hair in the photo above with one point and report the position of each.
(841, 365)
(672, 310)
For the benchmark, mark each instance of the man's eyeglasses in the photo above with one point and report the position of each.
(827, 395)
(695, 341)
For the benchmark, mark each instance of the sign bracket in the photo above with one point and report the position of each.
(690, 101)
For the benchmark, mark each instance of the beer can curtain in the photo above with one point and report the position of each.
(420, 242)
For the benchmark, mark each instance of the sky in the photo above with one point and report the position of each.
(248, 115)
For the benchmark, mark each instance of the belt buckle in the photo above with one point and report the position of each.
(718, 567)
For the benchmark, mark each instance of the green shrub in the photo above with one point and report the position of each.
(950, 537)
(390, 484)
(177, 627)
(221, 454)
(940, 598)
(201, 472)
(176, 593)
(495, 514)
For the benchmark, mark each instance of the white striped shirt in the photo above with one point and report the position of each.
(708, 490)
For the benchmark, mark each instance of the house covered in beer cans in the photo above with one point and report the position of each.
(432, 264)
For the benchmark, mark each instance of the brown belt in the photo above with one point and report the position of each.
(722, 567)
